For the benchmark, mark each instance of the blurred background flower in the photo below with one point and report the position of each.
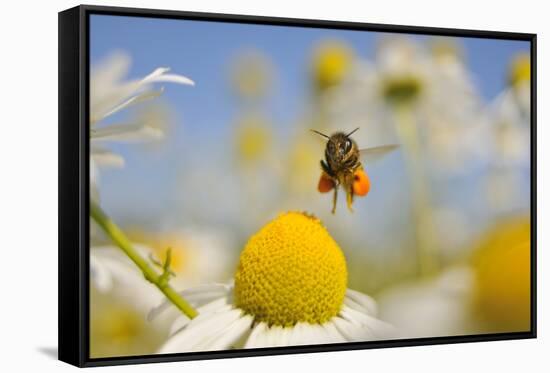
(457, 189)
(488, 293)
(118, 328)
(251, 75)
(507, 178)
(331, 62)
(503, 276)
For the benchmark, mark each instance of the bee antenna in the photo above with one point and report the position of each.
(320, 134)
(352, 132)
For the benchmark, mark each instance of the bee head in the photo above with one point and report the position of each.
(340, 145)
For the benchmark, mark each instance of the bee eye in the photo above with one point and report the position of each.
(347, 146)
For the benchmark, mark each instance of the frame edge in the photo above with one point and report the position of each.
(72, 114)
(69, 146)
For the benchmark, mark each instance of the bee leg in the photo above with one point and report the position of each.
(349, 199)
(325, 167)
(334, 199)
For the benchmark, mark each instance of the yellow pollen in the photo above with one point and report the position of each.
(291, 271)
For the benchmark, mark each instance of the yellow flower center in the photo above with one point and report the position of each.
(402, 90)
(503, 268)
(291, 271)
(520, 70)
(331, 62)
(253, 139)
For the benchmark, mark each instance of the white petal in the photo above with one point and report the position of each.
(255, 340)
(208, 289)
(381, 329)
(306, 334)
(180, 322)
(109, 262)
(155, 74)
(197, 296)
(295, 336)
(353, 316)
(100, 275)
(109, 94)
(374, 328)
(361, 330)
(351, 332)
(212, 307)
(94, 173)
(127, 132)
(353, 304)
(105, 158)
(215, 305)
(159, 76)
(270, 336)
(206, 316)
(111, 69)
(141, 97)
(229, 335)
(332, 332)
(199, 330)
(173, 78)
(280, 336)
(108, 97)
(363, 300)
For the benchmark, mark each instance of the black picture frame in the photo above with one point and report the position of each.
(74, 190)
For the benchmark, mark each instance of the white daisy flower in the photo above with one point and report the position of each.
(509, 165)
(290, 288)
(110, 94)
(511, 119)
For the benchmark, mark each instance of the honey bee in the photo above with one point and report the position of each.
(342, 166)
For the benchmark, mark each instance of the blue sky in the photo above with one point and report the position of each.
(204, 51)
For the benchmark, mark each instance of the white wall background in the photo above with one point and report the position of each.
(28, 174)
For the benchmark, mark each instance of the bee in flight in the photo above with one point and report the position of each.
(342, 166)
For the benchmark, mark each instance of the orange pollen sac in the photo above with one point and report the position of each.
(361, 183)
(326, 184)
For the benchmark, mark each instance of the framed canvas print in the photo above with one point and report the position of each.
(234, 186)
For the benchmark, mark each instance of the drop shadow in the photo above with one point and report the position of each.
(50, 352)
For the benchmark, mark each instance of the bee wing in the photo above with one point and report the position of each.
(375, 153)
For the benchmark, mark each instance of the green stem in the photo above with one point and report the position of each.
(120, 239)
(408, 132)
